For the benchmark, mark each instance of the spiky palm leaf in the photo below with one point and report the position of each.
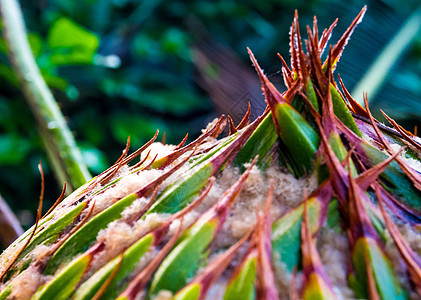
(197, 221)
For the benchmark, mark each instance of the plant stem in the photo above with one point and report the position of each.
(373, 79)
(65, 157)
(10, 227)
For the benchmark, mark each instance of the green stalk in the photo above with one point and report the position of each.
(377, 73)
(65, 157)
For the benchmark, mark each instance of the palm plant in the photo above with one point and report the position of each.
(313, 199)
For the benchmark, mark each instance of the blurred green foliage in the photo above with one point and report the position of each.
(122, 68)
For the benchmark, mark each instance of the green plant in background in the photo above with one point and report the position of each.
(60, 146)
(314, 198)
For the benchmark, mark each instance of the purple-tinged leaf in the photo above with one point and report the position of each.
(356, 107)
(371, 283)
(399, 210)
(315, 61)
(62, 285)
(360, 224)
(368, 177)
(162, 230)
(242, 282)
(98, 295)
(129, 258)
(182, 261)
(343, 41)
(266, 288)
(336, 170)
(316, 284)
(405, 134)
(302, 64)
(140, 281)
(203, 282)
(373, 270)
(412, 260)
(396, 181)
(181, 192)
(286, 230)
(414, 176)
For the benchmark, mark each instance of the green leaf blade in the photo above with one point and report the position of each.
(129, 261)
(242, 286)
(85, 235)
(183, 259)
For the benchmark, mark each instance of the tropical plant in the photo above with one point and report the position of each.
(313, 199)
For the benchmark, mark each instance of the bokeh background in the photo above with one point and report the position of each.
(122, 68)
